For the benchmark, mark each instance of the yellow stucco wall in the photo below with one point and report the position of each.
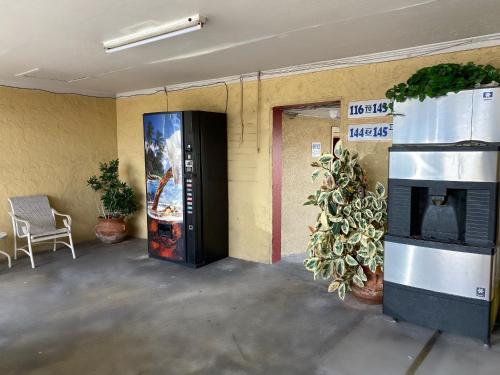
(250, 170)
(50, 144)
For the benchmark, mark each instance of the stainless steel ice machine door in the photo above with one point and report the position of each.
(442, 120)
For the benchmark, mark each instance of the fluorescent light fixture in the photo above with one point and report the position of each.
(154, 34)
(27, 72)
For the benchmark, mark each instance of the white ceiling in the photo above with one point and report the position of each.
(63, 37)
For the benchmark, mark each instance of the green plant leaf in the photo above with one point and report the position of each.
(345, 226)
(338, 247)
(327, 269)
(340, 266)
(372, 265)
(336, 219)
(342, 290)
(349, 171)
(347, 210)
(357, 281)
(337, 197)
(310, 202)
(380, 189)
(351, 261)
(363, 250)
(370, 230)
(344, 181)
(364, 241)
(352, 223)
(324, 220)
(338, 149)
(369, 213)
(372, 249)
(311, 264)
(378, 234)
(336, 166)
(324, 197)
(315, 174)
(325, 158)
(361, 273)
(333, 286)
(362, 224)
(355, 238)
(357, 203)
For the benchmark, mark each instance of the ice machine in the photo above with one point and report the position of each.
(441, 264)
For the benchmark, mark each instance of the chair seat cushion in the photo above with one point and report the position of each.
(36, 210)
(61, 231)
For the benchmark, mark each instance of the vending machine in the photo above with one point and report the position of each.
(186, 186)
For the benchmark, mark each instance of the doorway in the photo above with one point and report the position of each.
(301, 133)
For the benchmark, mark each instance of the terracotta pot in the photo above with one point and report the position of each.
(374, 287)
(111, 230)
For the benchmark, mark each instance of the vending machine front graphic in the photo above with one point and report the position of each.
(186, 186)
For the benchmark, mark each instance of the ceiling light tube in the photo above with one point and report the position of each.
(154, 34)
(27, 72)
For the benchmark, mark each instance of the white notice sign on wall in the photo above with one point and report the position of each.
(368, 108)
(316, 149)
(369, 132)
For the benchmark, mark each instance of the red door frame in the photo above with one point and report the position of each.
(277, 133)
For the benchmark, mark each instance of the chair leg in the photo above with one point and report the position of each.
(8, 258)
(72, 247)
(15, 246)
(55, 245)
(31, 253)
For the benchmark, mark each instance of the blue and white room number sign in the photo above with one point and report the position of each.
(368, 108)
(369, 132)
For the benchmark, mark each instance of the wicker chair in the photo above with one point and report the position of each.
(34, 220)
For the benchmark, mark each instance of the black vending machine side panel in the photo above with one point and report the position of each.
(214, 215)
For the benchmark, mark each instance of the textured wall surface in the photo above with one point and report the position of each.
(298, 134)
(50, 144)
(250, 170)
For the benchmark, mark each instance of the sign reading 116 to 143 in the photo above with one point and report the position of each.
(369, 132)
(368, 108)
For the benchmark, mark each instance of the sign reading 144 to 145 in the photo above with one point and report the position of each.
(369, 132)
(368, 108)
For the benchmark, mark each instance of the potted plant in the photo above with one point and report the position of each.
(346, 242)
(117, 202)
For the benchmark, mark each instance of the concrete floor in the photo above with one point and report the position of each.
(115, 311)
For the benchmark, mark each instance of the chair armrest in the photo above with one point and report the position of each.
(66, 218)
(16, 220)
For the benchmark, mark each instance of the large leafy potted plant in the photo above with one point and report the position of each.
(346, 242)
(117, 201)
